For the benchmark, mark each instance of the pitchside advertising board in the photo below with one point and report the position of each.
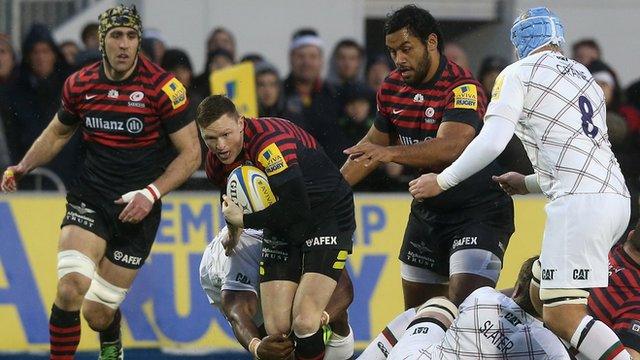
(166, 306)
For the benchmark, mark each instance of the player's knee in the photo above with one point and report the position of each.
(553, 302)
(71, 289)
(105, 293)
(75, 262)
(97, 315)
(306, 324)
(277, 326)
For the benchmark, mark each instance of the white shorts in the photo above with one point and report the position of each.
(237, 272)
(579, 232)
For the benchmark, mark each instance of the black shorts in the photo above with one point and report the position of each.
(128, 245)
(322, 247)
(430, 239)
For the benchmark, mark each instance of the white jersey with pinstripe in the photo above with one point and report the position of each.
(560, 116)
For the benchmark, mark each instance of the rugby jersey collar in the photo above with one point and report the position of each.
(105, 79)
(429, 84)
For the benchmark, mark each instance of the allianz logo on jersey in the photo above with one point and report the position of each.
(132, 125)
(407, 140)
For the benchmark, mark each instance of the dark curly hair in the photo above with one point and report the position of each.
(419, 22)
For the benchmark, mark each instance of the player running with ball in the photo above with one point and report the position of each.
(558, 111)
(307, 232)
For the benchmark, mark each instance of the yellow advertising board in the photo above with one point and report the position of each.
(166, 306)
(238, 84)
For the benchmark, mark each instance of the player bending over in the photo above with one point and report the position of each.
(489, 325)
(307, 232)
(231, 283)
(559, 113)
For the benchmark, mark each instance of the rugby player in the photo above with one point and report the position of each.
(128, 110)
(489, 324)
(453, 244)
(558, 111)
(618, 305)
(231, 283)
(307, 232)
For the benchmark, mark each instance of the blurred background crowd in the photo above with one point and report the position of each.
(328, 91)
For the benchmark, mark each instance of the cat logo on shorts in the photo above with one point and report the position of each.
(465, 97)
(272, 160)
(548, 274)
(580, 274)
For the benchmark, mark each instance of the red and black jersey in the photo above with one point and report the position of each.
(414, 114)
(125, 124)
(283, 150)
(618, 305)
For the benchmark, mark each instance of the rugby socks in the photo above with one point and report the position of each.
(340, 347)
(380, 347)
(112, 332)
(310, 346)
(64, 333)
(596, 341)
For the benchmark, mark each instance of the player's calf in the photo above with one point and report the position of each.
(74, 278)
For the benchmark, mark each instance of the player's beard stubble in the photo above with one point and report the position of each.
(421, 70)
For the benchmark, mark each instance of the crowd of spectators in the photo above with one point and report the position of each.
(337, 109)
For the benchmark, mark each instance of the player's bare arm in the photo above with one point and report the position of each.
(239, 307)
(354, 171)
(186, 163)
(44, 149)
(437, 153)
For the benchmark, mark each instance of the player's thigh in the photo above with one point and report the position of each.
(73, 237)
(415, 293)
(280, 270)
(276, 298)
(85, 227)
(579, 232)
(424, 262)
(312, 297)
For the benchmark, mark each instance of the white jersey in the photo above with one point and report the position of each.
(238, 272)
(560, 117)
(492, 326)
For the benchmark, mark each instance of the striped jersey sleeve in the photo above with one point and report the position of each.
(172, 103)
(466, 102)
(382, 121)
(71, 94)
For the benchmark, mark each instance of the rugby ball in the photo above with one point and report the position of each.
(249, 187)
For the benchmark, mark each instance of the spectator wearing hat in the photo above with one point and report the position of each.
(309, 99)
